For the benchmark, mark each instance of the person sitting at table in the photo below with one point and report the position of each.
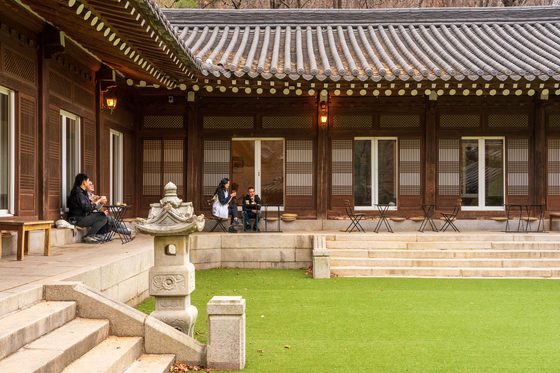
(83, 212)
(251, 209)
(114, 225)
(223, 205)
(93, 198)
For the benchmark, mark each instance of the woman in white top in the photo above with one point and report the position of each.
(223, 207)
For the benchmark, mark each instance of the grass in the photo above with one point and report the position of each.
(389, 324)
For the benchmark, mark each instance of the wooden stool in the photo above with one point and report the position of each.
(23, 228)
(553, 215)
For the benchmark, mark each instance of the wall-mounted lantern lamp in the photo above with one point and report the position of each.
(109, 101)
(323, 98)
(324, 117)
(107, 80)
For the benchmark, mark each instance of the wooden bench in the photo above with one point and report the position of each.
(552, 216)
(23, 228)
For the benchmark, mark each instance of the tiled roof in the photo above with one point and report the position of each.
(386, 44)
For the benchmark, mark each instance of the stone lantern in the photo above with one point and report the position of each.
(171, 221)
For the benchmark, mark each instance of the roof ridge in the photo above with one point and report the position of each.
(363, 16)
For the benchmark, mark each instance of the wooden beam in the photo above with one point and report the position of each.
(430, 154)
(43, 134)
(54, 42)
(194, 163)
(322, 186)
(540, 159)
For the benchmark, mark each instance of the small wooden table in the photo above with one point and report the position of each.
(23, 228)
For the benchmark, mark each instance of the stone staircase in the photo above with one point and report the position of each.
(48, 338)
(445, 255)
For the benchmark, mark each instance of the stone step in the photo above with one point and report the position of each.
(152, 364)
(446, 272)
(446, 263)
(113, 355)
(366, 245)
(390, 237)
(459, 237)
(446, 254)
(519, 245)
(429, 236)
(458, 245)
(25, 326)
(56, 350)
(451, 245)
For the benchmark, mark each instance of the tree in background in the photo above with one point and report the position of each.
(345, 4)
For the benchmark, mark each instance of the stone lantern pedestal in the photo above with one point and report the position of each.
(172, 277)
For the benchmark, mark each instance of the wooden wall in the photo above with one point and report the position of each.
(161, 145)
(19, 73)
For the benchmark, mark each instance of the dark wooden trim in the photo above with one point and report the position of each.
(193, 161)
(99, 134)
(430, 153)
(43, 135)
(540, 158)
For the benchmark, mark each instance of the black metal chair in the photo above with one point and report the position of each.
(216, 218)
(355, 218)
(450, 217)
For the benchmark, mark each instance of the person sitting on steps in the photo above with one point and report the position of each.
(223, 205)
(251, 209)
(82, 212)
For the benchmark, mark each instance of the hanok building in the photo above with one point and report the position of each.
(312, 107)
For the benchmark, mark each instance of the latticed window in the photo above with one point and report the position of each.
(554, 121)
(163, 121)
(163, 161)
(342, 167)
(399, 121)
(518, 167)
(19, 66)
(60, 85)
(228, 122)
(83, 97)
(508, 121)
(459, 121)
(151, 168)
(554, 167)
(173, 165)
(352, 121)
(299, 167)
(216, 164)
(409, 167)
(303, 122)
(448, 167)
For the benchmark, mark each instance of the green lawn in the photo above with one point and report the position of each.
(389, 324)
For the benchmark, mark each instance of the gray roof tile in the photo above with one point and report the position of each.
(373, 44)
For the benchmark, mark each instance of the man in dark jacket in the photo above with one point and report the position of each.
(251, 209)
(83, 212)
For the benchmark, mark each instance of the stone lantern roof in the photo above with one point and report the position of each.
(171, 216)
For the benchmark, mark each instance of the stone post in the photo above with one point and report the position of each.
(226, 333)
(172, 276)
(321, 258)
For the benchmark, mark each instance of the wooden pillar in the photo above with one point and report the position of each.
(540, 182)
(98, 134)
(194, 159)
(430, 153)
(138, 181)
(138, 165)
(43, 133)
(322, 179)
